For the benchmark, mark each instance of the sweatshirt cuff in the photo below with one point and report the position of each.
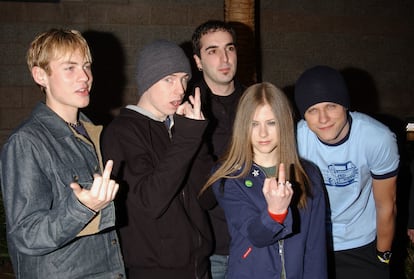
(278, 217)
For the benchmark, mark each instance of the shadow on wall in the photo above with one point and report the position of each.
(247, 53)
(109, 77)
(362, 90)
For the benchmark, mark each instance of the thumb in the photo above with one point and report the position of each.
(76, 188)
(181, 108)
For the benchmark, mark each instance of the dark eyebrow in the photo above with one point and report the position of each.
(210, 47)
(214, 46)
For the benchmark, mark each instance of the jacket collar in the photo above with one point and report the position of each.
(53, 122)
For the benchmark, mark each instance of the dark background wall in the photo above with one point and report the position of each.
(371, 41)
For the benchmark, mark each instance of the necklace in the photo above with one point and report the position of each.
(74, 125)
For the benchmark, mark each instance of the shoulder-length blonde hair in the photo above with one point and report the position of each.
(240, 151)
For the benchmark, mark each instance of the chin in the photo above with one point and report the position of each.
(84, 105)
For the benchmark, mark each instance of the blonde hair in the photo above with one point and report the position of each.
(240, 151)
(54, 44)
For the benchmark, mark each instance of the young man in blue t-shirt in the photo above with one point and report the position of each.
(358, 158)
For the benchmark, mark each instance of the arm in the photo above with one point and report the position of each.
(200, 172)
(247, 212)
(385, 195)
(42, 215)
(150, 167)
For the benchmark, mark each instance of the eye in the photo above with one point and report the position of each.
(231, 48)
(211, 52)
(255, 124)
(87, 66)
(184, 80)
(331, 106)
(168, 79)
(271, 123)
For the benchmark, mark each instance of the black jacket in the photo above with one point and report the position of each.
(163, 231)
(220, 111)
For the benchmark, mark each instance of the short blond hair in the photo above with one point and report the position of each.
(54, 44)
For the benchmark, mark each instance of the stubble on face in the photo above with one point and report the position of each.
(218, 61)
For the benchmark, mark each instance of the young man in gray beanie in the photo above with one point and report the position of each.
(358, 158)
(154, 144)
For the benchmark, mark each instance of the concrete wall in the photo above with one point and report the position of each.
(371, 41)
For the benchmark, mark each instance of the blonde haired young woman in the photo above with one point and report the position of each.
(274, 202)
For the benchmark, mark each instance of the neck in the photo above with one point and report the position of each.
(266, 160)
(220, 89)
(68, 114)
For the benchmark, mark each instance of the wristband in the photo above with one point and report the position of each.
(384, 257)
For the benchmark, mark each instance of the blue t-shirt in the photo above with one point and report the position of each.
(348, 169)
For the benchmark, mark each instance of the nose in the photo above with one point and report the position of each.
(180, 88)
(85, 74)
(323, 116)
(263, 131)
(225, 56)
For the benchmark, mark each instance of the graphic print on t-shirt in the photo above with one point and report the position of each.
(340, 174)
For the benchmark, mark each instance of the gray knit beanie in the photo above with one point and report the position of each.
(320, 84)
(157, 60)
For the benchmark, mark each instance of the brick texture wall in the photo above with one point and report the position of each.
(371, 41)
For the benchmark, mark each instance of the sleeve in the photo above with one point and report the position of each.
(315, 262)
(248, 215)
(39, 221)
(207, 199)
(383, 154)
(153, 179)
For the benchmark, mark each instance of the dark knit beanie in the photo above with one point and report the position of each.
(158, 60)
(320, 84)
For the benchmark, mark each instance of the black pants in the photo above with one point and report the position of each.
(358, 263)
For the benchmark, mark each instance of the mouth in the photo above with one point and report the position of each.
(225, 70)
(324, 128)
(83, 91)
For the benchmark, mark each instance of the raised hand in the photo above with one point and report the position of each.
(102, 192)
(278, 193)
(193, 109)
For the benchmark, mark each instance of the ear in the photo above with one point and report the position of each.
(39, 75)
(198, 62)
